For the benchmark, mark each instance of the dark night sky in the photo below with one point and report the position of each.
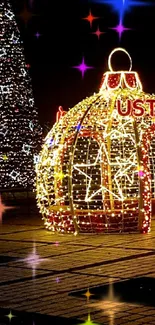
(66, 38)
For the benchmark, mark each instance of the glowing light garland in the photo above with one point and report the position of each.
(96, 168)
(20, 133)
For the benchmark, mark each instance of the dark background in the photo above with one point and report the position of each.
(66, 38)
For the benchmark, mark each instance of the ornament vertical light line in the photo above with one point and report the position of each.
(141, 189)
(108, 147)
(146, 142)
(70, 168)
(56, 167)
(87, 158)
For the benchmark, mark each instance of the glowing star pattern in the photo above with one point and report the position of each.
(36, 159)
(88, 295)
(4, 157)
(14, 175)
(83, 67)
(31, 125)
(3, 130)
(90, 18)
(10, 316)
(3, 208)
(98, 33)
(26, 148)
(37, 35)
(120, 29)
(140, 173)
(33, 260)
(89, 321)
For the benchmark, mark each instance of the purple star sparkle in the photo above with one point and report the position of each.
(83, 67)
(37, 35)
(120, 29)
(57, 280)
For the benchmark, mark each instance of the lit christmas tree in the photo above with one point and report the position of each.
(20, 133)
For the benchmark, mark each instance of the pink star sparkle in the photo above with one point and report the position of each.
(140, 173)
(33, 260)
(98, 33)
(56, 243)
(3, 208)
(120, 29)
(83, 67)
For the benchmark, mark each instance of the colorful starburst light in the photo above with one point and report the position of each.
(89, 321)
(98, 33)
(83, 67)
(120, 29)
(90, 18)
(121, 6)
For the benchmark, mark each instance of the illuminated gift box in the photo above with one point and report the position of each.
(96, 167)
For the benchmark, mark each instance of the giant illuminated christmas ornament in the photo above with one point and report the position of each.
(96, 167)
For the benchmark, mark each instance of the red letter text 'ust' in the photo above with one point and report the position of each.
(119, 108)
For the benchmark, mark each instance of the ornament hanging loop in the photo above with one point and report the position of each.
(111, 54)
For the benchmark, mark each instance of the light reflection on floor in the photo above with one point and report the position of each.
(110, 304)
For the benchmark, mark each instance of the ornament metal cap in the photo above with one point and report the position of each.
(113, 80)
